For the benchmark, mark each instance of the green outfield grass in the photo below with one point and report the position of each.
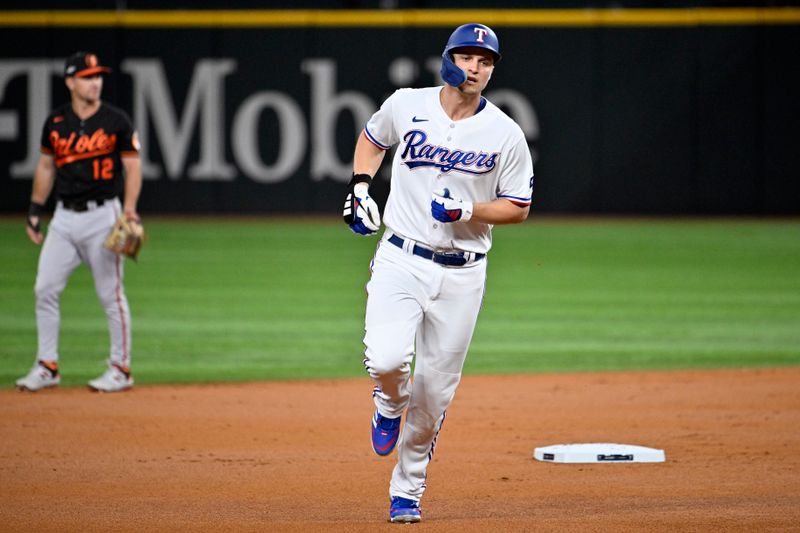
(217, 300)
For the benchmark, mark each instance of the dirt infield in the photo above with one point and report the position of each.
(296, 456)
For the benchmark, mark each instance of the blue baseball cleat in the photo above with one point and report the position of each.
(384, 433)
(404, 510)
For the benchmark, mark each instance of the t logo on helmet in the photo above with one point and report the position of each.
(481, 33)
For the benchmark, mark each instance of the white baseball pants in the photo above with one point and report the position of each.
(74, 238)
(417, 306)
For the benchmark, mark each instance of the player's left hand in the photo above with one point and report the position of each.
(132, 216)
(360, 212)
(445, 208)
(126, 237)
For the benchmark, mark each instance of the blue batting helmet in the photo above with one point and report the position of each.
(463, 36)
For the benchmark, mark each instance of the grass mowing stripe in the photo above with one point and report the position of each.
(227, 300)
(649, 294)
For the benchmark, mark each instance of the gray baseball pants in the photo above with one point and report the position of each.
(74, 238)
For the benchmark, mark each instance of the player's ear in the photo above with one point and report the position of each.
(69, 81)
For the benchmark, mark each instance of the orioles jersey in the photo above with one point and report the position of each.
(87, 153)
(482, 158)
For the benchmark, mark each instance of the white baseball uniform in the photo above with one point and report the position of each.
(417, 305)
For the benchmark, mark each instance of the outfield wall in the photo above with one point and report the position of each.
(627, 111)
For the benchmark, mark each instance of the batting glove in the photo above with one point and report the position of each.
(445, 208)
(360, 212)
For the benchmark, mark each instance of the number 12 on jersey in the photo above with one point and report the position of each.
(103, 168)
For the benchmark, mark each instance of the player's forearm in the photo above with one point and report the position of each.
(133, 183)
(368, 157)
(43, 178)
(499, 212)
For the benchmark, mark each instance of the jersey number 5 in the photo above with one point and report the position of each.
(103, 168)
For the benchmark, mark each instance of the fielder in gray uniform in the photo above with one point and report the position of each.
(461, 166)
(90, 157)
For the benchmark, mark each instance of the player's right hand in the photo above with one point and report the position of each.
(360, 211)
(33, 228)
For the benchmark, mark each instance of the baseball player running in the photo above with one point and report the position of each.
(461, 166)
(85, 146)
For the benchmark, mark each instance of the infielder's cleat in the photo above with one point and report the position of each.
(43, 375)
(384, 433)
(115, 379)
(404, 511)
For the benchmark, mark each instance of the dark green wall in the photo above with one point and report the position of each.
(641, 120)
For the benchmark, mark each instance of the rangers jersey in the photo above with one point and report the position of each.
(480, 159)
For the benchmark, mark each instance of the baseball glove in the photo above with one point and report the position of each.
(126, 237)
